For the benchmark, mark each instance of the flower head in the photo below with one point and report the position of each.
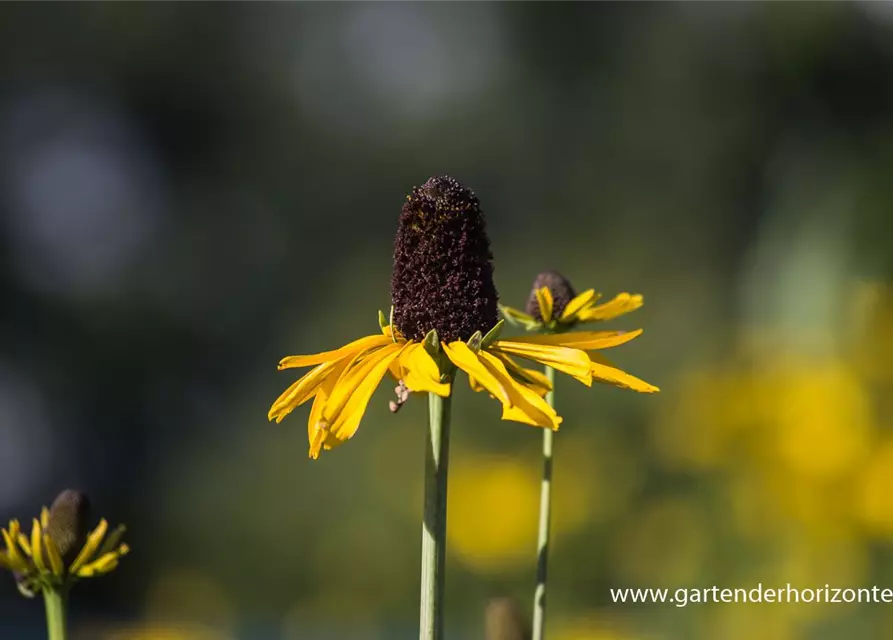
(443, 319)
(553, 306)
(59, 550)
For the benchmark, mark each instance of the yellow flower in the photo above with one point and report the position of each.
(554, 307)
(444, 317)
(342, 381)
(56, 555)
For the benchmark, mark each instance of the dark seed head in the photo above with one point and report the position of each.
(443, 274)
(560, 288)
(68, 523)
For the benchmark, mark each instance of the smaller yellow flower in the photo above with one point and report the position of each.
(58, 551)
(553, 306)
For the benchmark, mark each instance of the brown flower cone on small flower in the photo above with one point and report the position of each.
(58, 551)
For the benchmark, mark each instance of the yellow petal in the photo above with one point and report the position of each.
(577, 303)
(346, 423)
(103, 564)
(12, 552)
(604, 371)
(573, 362)
(300, 392)
(357, 346)
(621, 303)
(44, 518)
(516, 315)
(582, 340)
(24, 544)
(421, 373)
(53, 554)
(36, 551)
(532, 378)
(463, 357)
(544, 300)
(474, 384)
(90, 546)
(527, 406)
(354, 377)
(315, 438)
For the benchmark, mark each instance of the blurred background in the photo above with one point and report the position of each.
(189, 192)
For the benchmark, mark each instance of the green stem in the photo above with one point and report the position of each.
(437, 459)
(542, 547)
(56, 601)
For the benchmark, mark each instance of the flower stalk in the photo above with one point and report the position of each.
(56, 601)
(542, 545)
(437, 458)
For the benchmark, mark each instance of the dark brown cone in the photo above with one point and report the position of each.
(68, 523)
(560, 288)
(443, 271)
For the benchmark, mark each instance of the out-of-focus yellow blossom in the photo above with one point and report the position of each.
(493, 512)
(874, 492)
(592, 627)
(163, 632)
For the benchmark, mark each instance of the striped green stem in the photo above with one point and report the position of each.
(542, 547)
(437, 457)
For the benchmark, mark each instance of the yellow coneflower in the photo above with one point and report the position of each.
(553, 308)
(59, 552)
(444, 318)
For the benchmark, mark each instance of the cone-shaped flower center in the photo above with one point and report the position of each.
(443, 274)
(68, 523)
(560, 288)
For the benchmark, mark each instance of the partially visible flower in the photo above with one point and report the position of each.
(59, 551)
(444, 316)
(553, 306)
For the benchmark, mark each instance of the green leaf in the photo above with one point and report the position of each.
(474, 342)
(432, 343)
(382, 320)
(492, 335)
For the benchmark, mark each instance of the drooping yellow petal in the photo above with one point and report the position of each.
(300, 391)
(316, 438)
(527, 406)
(36, 552)
(620, 304)
(24, 544)
(463, 357)
(544, 300)
(347, 421)
(577, 303)
(582, 340)
(53, 555)
(516, 315)
(421, 373)
(606, 372)
(474, 384)
(532, 378)
(357, 346)
(90, 546)
(573, 362)
(354, 377)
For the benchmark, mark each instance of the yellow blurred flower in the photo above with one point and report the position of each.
(493, 512)
(824, 420)
(874, 492)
